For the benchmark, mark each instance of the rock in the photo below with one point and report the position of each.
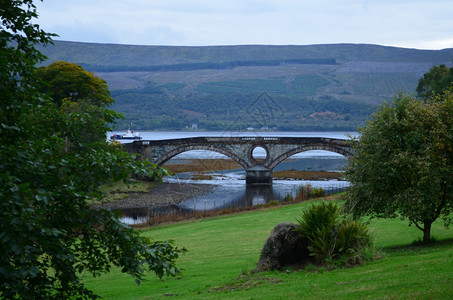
(284, 247)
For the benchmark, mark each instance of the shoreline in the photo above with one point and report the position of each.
(164, 193)
(161, 194)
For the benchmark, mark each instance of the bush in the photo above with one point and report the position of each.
(306, 191)
(303, 192)
(317, 192)
(317, 225)
(273, 203)
(288, 198)
(332, 237)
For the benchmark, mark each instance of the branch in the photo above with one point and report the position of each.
(443, 202)
(416, 224)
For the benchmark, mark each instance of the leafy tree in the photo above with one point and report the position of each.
(435, 81)
(75, 90)
(69, 82)
(403, 162)
(48, 171)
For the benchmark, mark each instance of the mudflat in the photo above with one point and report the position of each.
(161, 194)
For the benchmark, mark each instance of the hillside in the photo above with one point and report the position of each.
(316, 87)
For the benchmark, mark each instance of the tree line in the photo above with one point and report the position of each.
(217, 112)
(209, 65)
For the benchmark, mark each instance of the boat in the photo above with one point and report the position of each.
(129, 135)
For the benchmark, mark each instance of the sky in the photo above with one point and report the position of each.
(401, 23)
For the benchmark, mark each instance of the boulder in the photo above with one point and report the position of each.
(284, 247)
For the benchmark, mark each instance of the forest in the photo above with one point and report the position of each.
(288, 88)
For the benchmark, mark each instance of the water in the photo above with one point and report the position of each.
(230, 188)
(165, 135)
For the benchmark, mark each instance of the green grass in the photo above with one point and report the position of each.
(222, 251)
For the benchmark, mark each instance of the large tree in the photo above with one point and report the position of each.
(48, 171)
(69, 83)
(435, 81)
(403, 162)
(75, 90)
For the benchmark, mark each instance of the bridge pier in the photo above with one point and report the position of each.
(258, 175)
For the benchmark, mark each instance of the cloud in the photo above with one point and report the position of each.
(431, 44)
(207, 22)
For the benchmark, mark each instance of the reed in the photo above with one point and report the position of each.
(154, 219)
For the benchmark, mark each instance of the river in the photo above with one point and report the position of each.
(230, 188)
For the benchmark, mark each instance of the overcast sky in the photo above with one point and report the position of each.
(403, 23)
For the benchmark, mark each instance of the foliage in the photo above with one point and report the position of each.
(220, 111)
(332, 236)
(75, 90)
(303, 192)
(69, 82)
(317, 192)
(212, 65)
(288, 198)
(272, 203)
(403, 162)
(306, 191)
(49, 170)
(435, 81)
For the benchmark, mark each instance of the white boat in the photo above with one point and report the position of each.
(129, 135)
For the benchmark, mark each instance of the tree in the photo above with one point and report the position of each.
(75, 90)
(435, 81)
(403, 162)
(48, 172)
(69, 82)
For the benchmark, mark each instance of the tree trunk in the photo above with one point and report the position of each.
(427, 232)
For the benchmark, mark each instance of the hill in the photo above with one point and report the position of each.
(316, 87)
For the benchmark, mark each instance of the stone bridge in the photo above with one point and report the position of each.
(241, 150)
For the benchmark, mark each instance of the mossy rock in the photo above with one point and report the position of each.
(284, 247)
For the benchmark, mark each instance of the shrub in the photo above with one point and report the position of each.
(303, 192)
(332, 237)
(317, 225)
(273, 203)
(352, 235)
(317, 192)
(288, 198)
(306, 191)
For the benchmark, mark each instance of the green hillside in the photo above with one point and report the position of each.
(317, 87)
(223, 250)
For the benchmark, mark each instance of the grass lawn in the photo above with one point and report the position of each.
(222, 251)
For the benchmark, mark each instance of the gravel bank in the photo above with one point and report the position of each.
(162, 194)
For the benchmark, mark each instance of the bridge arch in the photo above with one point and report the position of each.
(183, 149)
(291, 152)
